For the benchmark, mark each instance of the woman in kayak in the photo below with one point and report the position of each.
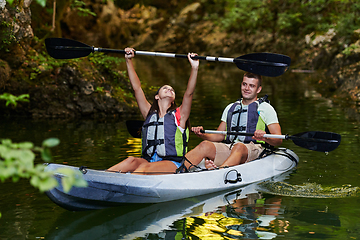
(165, 131)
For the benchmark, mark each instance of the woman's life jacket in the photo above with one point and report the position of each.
(244, 119)
(163, 136)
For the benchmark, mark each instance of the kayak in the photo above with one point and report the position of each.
(107, 189)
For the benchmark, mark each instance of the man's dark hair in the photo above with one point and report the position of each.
(254, 75)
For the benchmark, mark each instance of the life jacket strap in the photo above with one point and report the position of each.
(155, 142)
(240, 110)
(238, 128)
(153, 124)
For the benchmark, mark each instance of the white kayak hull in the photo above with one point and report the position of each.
(106, 189)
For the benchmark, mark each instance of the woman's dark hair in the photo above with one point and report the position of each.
(155, 108)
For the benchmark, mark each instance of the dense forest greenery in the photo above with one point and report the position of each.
(280, 17)
(288, 20)
(291, 17)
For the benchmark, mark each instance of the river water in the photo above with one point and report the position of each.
(28, 214)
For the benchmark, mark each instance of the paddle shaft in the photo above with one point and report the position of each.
(286, 137)
(244, 134)
(169, 55)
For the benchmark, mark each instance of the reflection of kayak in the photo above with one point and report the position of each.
(121, 223)
(107, 189)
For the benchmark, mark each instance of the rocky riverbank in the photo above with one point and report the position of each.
(93, 87)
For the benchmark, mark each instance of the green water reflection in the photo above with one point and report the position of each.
(28, 214)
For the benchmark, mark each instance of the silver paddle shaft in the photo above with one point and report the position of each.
(286, 137)
(245, 134)
(173, 55)
(207, 58)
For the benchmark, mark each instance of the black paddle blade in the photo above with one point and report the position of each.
(265, 64)
(62, 48)
(134, 127)
(317, 141)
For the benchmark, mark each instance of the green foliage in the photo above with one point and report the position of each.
(108, 65)
(349, 18)
(41, 2)
(11, 99)
(351, 49)
(47, 144)
(71, 179)
(7, 38)
(42, 62)
(17, 161)
(107, 61)
(243, 14)
(291, 16)
(99, 89)
(80, 7)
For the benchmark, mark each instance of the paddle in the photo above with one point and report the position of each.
(312, 140)
(266, 64)
(134, 127)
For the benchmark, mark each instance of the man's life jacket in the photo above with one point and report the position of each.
(162, 135)
(244, 119)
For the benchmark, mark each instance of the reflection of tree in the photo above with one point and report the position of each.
(252, 217)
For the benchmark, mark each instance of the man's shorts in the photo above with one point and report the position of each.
(223, 151)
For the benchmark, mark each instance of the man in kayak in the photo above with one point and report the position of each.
(165, 131)
(251, 115)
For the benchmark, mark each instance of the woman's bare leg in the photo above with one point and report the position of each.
(127, 165)
(156, 168)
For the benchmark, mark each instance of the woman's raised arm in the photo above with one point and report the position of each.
(142, 102)
(185, 107)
